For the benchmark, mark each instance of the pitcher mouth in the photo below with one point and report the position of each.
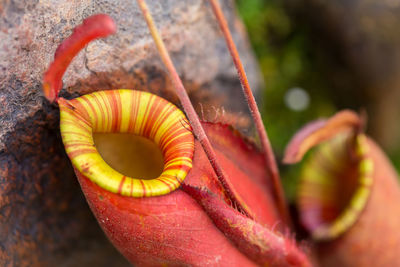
(335, 186)
(127, 112)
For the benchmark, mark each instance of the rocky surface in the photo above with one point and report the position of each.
(44, 219)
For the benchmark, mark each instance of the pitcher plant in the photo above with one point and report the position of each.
(169, 189)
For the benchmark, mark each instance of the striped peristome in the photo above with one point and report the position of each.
(127, 111)
(321, 185)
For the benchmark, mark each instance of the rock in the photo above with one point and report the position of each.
(44, 219)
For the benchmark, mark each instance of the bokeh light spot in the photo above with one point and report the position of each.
(297, 99)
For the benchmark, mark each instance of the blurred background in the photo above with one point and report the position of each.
(321, 56)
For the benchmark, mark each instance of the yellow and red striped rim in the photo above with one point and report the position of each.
(127, 111)
(317, 179)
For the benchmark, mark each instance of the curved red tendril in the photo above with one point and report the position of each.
(96, 26)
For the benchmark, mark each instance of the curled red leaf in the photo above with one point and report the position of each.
(96, 26)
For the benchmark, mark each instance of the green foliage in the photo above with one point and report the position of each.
(286, 61)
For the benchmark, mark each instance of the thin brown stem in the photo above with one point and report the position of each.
(189, 109)
(255, 113)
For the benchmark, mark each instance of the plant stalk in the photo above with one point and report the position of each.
(255, 113)
(189, 109)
